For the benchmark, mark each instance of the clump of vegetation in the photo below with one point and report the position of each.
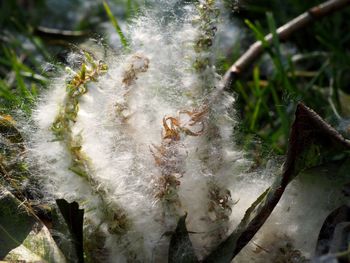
(133, 155)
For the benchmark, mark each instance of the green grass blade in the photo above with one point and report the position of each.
(277, 57)
(116, 25)
(258, 94)
(129, 10)
(6, 93)
(258, 33)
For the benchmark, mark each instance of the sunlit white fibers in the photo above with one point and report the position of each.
(119, 123)
(120, 151)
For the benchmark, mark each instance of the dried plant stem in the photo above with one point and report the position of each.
(137, 64)
(170, 161)
(53, 32)
(207, 18)
(283, 33)
(62, 127)
(219, 198)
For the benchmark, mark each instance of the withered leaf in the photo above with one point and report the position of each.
(312, 142)
(180, 248)
(73, 217)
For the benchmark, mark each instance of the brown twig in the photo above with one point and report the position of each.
(283, 33)
(54, 32)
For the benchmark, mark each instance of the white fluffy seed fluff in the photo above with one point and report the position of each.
(121, 120)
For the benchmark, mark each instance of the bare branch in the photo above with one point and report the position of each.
(283, 33)
(58, 33)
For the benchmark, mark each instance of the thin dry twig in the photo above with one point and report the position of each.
(59, 33)
(283, 33)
